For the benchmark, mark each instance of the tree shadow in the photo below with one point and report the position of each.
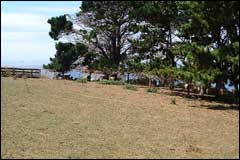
(184, 94)
(209, 98)
(218, 107)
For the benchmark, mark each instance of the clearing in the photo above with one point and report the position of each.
(43, 118)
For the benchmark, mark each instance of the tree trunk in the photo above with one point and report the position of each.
(116, 39)
(171, 85)
(219, 88)
(63, 75)
(236, 93)
(149, 82)
(164, 83)
(188, 90)
(202, 91)
(89, 76)
(208, 87)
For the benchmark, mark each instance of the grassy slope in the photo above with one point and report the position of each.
(64, 119)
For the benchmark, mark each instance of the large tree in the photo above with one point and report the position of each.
(202, 36)
(104, 27)
(195, 41)
(158, 22)
(210, 31)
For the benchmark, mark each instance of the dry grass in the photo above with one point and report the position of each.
(44, 118)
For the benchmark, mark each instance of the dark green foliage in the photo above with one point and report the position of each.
(59, 25)
(203, 36)
(66, 54)
(110, 25)
(210, 36)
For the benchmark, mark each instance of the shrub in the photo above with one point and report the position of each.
(7, 73)
(82, 80)
(130, 87)
(152, 89)
(173, 101)
(111, 82)
(15, 77)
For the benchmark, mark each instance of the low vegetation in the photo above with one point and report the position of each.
(173, 101)
(130, 87)
(152, 89)
(111, 82)
(82, 80)
(51, 119)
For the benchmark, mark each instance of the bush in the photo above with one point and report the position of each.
(111, 82)
(173, 101)
(130, 87)
(7, 73)
(82, 80)
(15, 77)
(152, 89)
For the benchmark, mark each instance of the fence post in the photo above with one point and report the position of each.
(13, 72)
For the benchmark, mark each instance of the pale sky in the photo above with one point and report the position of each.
(24, 31)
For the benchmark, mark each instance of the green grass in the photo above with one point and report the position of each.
(111, 82)
(152, 89)
(82, 80)
(130, 87)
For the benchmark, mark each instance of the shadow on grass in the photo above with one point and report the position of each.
(184, 94)
(218, 107)
(210, 98)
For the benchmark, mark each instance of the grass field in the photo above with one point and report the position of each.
(43, 118)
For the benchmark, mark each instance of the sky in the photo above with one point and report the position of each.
(25, 41)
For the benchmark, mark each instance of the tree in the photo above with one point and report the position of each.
(105, 31)
(207, 34)
(194, 41)
(210, 31)
(158, 23)
(66, 54)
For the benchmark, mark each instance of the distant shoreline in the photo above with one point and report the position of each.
(24, 66)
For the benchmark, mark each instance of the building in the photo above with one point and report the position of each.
(85, 72)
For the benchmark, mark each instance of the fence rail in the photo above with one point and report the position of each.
(20, 72)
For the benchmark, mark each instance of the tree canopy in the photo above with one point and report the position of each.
(193, 41)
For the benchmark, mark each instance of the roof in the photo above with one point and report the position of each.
(78, 61)
(77, 65)
(85, 69)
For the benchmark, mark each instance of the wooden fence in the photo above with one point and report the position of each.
(20, 72)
